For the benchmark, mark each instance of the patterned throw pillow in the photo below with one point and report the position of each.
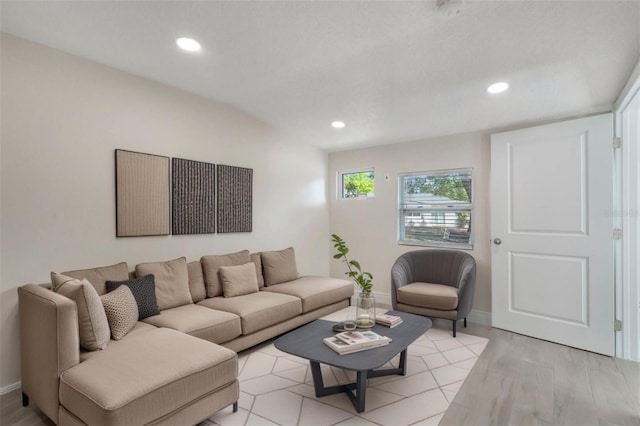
(93, 326)
(122, 311)
(144, 291)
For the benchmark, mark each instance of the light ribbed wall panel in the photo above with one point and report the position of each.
(235, 189)
(194, 198)
(142, 194)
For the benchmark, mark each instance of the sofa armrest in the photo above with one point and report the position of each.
(49, 344)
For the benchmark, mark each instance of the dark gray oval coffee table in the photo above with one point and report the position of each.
(306, 342)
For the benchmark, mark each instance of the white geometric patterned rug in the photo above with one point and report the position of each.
(276, 388)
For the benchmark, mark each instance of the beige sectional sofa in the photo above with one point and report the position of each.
(176, 367)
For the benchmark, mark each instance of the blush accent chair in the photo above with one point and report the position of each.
(434, 283)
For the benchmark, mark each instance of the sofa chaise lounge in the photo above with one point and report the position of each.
(178, 366)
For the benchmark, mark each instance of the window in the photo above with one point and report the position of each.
(435, 209)
(356, 184)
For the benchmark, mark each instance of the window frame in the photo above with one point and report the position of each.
(437, 210)
(340, 183)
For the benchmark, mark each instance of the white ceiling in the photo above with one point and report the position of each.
(392, 70)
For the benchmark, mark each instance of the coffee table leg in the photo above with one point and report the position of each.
(318, 383)
(316, 374)
(361, 384)
(402, 365)
(357, 395)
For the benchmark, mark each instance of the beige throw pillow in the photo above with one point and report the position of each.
(279, 266)
(197, 287)
(122, 311)
(100, 275)
(238, 280)
(255, 258)
(211, 266)
(171, 279)
(93, 326)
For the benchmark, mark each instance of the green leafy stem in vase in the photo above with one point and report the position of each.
(363, 279)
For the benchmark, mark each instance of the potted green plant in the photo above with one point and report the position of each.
(365, 303)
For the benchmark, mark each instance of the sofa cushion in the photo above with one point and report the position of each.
(172, 281)
(197, 288)
(315, 292)
(137, 329)
(100, 275)
(426, 295)
(93, 326)
(145, 378)
(199, 321)
(427, 312)
(257, 310)
(122, 311)
(211, 265)
(239, 279)
(144, 291)
(257, 260)
(279, 266)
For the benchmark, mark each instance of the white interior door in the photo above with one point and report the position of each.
(551, 221)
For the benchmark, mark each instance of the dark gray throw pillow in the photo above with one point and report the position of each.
(144, 291)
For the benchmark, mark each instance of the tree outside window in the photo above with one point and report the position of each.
(359, 183)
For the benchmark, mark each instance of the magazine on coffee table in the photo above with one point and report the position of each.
(355, 341)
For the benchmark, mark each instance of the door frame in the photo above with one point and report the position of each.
(626, 209)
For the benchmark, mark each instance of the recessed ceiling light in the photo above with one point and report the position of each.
(338, 124)
(188, 44)
(498, 87)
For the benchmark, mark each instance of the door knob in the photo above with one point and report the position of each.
(497, 241)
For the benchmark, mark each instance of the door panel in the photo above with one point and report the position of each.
(563, 277)
(532, 189)
(552, 274)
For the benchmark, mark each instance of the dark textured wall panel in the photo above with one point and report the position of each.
(235, 188)
(194, 201)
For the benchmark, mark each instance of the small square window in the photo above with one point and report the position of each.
(356, 184)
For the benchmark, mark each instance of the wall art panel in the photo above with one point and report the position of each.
(194, 198)
(142, 194)
(235, 187)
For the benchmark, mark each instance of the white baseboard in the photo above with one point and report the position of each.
(10, 388)
(480, 317)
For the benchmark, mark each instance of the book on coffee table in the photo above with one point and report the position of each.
(355, 341)
(388, 320)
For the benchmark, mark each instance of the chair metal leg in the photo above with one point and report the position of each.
(25, 399)
(454, 328)
(465, 322)
(235, 407)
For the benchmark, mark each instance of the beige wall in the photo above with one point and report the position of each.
(62, 119)
(370, 226)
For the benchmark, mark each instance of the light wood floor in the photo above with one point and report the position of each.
(517, 380)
